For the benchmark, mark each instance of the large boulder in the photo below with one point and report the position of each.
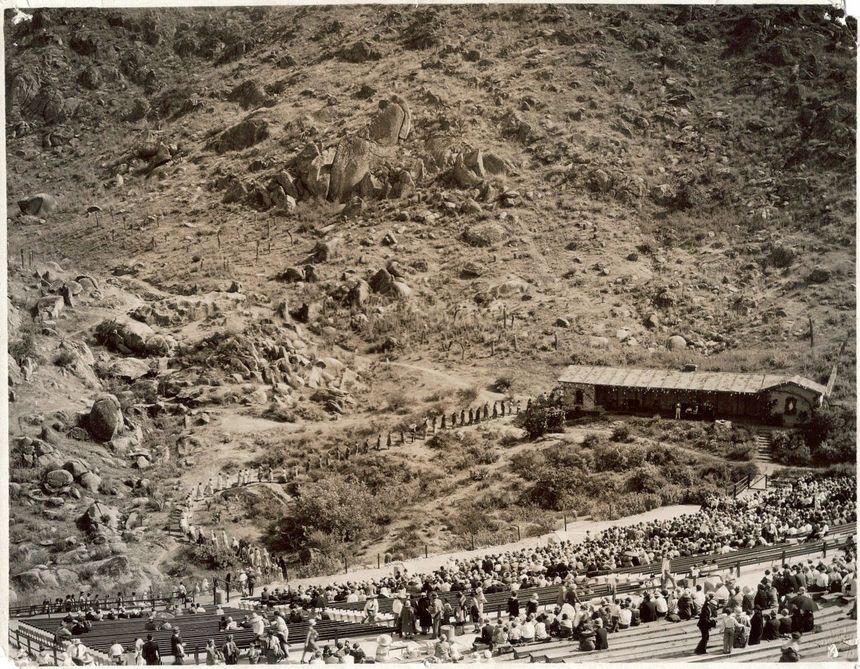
(359, 52)
(392, 123)
(90, 481)
(382, 282)
(484, 235)
(57, 480)
(98, 515)
(314, 169)
(351, 164)
(40, 204)
(676, 343)
(240, 136)
(359, 294)
(105, 418)
(125, 335)
(76, 468)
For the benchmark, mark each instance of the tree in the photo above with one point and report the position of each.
(543, 416)
(343, 510)
(830, 434)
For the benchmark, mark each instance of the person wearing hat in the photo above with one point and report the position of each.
(705, 624)
(371, 609)
(177, 648)
(77, 652)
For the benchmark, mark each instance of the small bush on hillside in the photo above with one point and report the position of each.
(621, 433)
(24, 347)
(503, 384)
(64, 358)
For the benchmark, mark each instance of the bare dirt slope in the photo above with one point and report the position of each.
(289, 197)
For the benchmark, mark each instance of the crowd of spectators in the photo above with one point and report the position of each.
(805, 511)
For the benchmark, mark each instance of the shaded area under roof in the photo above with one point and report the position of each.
(669, 379)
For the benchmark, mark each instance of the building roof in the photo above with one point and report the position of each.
(670, 379)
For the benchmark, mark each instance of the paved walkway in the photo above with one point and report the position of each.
(576, 532)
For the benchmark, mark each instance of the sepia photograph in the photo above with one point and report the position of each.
(422, 334)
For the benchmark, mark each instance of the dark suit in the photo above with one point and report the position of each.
(771, 629)
(601, 639)
(648, 611)
(150, 652)
(756, 629)
(705, 623)
(513, 606)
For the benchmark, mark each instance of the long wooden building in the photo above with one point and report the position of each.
(771, 398)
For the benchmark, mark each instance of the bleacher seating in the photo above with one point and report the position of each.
(548, 595)
(195, 630)
(668, 641)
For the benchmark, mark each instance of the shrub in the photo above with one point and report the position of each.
(64, 358)
(621, 433)
(503, 384)
(24, 347)
(591, 440)
(541, 417)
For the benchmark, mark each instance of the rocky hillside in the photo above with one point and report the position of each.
(241, 212)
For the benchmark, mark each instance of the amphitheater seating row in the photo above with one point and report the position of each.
(663, 640)
(196, 630)
(548, 595)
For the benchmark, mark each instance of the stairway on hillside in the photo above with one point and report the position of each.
(762, 443)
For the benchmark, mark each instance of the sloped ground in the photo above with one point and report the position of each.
(608, 177)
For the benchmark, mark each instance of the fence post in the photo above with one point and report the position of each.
(765, 481)
(345, 564)
(499, 612)
(519, 536)
(738, 568)
(56, 663)
(565, 522)
(783, 556)
(425, 551)
(378, 561)
(196, 654)
(214, 592)
(825, 549)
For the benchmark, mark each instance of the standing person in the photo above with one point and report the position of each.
(425, 618)
(666, 571)
(371, 609)
(138, 652)
(514, 604)
(705, 624)
(310, 641)
(230, 651)
(150, 651)
(436, 609)
(211, 653)
(407, 620)
(728, 625)
(480, 600)
(243, 578)
(396, 608)
(756, 627)
(252, 581)
(460, 611)
(177, 648)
